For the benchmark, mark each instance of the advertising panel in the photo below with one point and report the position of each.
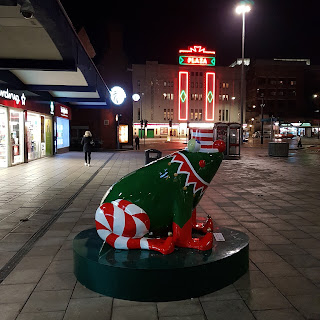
(63, 137)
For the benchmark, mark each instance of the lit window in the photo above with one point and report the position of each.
(168, 96)
(164, 114)
(200, 96)
(200, 114)
(223, 85)
(196, 114)
(192, 96)
(196, 96)
(164, 96)
(192, 113)
(220, 97)
(227, 85)
(293, 82)
(164, 83)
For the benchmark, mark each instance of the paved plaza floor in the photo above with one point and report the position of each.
(275, 201)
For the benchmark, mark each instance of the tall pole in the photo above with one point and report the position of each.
(242, 79)
(262, 106)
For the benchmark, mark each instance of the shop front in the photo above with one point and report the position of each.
(24, 130)
(62, 128)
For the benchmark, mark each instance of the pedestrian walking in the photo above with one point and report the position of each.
(88, 144)
(299, 141)
(137, 141)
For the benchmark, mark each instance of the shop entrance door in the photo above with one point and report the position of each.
(16, 136)
(3, 137)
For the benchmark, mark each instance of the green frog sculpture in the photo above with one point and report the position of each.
(154, 207)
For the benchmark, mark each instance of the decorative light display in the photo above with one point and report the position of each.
(117, 95)
(135, 97)
(199, 57)
(210, 93)
(183, 95)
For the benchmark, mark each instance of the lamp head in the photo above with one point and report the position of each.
(243, 8)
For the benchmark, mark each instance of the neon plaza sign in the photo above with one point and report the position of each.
(197, 55)
(12, 96)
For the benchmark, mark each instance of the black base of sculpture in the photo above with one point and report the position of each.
(143, 275)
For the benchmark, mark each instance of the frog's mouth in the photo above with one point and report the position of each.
(193, 178)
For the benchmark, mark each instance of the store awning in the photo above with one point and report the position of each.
(44, 57)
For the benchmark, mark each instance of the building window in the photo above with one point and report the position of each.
(171, 83)
(273, 81)
(222, 115)
(171, 114)
(293, 82)
(171, 95)
(196, 114)
(227, 115)
(201, 74)
(196, 84)
(192, 113)
(164, 83)
(192, 96)
(281, 82)
(192, 84)
(219, 115)
(192, 74)
(164, 114)
(196, 96)
(200, 114)
(200, 96)
(138, 113)
(200, 85)
(225, 97)
(225, 85)
(220, 97)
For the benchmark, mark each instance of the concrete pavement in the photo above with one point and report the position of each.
(45, 203)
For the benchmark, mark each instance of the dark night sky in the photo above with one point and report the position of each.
(156, 30)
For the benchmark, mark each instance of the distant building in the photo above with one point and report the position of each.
(193, 93)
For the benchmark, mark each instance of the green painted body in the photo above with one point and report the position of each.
(161, 191)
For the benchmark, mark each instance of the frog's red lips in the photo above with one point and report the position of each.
(192, 176)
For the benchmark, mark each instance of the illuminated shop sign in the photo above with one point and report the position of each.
(210, 94)
(197, 61)
(197, 55)
(12, 96)
(183, 95)
(123, 133)
(61, 111)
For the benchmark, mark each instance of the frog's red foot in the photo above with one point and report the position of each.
(203, 225)
(203, 244)
(165, 246)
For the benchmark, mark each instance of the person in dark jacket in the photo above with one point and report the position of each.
(88, 144)
(137, 141)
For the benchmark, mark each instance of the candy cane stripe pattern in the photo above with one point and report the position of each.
(123, 224)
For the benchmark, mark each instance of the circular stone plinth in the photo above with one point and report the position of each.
(143, 275)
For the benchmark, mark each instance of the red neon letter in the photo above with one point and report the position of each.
(210, 95)
(183, 95)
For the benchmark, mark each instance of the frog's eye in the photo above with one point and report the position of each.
(202, 163)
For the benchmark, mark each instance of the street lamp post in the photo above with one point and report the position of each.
(315, 96)
(242, 9)
(262, 106)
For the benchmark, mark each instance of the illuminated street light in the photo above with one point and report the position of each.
(254, 106)
(135, 97)
(242, 9)
(233, 98)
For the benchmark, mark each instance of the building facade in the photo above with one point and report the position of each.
(193, 93)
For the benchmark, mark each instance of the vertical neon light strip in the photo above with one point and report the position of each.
(210, 95)
(183, 95)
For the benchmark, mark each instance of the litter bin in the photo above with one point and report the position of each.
(152, 154)
(278, 149)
